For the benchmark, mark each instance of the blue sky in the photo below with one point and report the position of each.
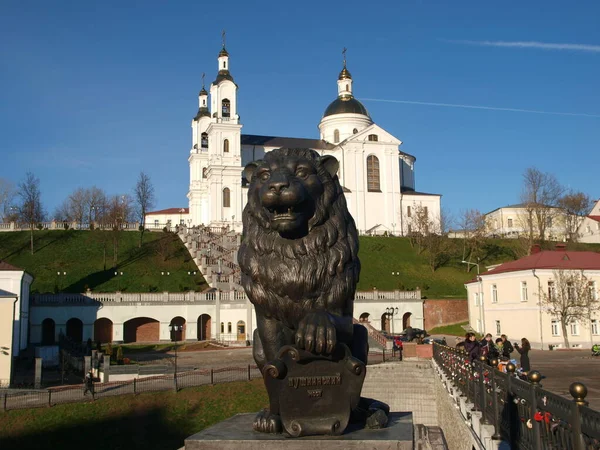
(94, 92)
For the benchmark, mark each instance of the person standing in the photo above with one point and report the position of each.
(89, 384)
(523, 350)
(472, 346)
(507, 346)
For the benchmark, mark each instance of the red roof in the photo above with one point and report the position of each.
(553, 260)
(170, 211)
(596, 218)
(6, 266)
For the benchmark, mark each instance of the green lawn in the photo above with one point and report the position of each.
(81, 255)
(146, 421)
(453, 330)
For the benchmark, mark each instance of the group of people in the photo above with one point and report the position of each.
(501, 349)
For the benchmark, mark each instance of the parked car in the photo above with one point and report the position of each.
(431, 340)
(413, 333)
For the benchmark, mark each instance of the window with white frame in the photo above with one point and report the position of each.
(494, 293)
(156, 223)
(476, 299)
(524, 291)
(498, 329)
(555, 328)
(575, 328)
(593, 287)
(510, 223)
(551, 290)
(571, 294)
(595, 327)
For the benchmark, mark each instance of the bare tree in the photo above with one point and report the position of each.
(7, 193)
(96, 205)
(144, 199)
(473, 225)
(119, 211)
(430, 234)
(78, 205)
(31, 211)
(575, 206)
(540, 195)
(571, 297)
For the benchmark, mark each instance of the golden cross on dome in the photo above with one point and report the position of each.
(203, 75)
(223, 37)
(344, 53)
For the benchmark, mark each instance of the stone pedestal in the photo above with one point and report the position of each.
(236, 433)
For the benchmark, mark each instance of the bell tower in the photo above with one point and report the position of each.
(224, 148)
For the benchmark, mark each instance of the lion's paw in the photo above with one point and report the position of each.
(265, 422)
(316, 333)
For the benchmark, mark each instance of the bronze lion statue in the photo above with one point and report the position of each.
(299, 260)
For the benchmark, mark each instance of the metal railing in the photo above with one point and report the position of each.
(38, 398)
(522, 413)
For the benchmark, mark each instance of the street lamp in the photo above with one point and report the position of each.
(390, 312)
(117, 274)
(59, 274)
(479, 296)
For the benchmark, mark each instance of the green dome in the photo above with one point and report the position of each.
(346, 105)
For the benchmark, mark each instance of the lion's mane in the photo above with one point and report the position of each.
(287, 278)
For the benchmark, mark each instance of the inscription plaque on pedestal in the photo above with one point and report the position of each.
(316, 393)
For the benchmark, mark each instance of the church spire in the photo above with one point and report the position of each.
(223, 58)
(345, 79)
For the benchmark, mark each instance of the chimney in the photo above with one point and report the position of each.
(561, 247)
(535, 248)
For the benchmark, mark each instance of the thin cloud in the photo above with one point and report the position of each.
(532, 44)
(489, 108)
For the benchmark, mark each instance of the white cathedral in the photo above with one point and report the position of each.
(377, 177)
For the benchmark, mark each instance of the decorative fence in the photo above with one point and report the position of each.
(522, 413)
(234, 296)
(37, 398)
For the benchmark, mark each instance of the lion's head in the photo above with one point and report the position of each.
(289, 188)
(300, 242)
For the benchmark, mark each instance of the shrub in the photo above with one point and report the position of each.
(120, 355)
(109, 349)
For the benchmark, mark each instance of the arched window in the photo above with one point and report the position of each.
(226, 198)
(204, 140)
(347, 87)
(354, 131)
(204, 171)
(373, 138)
(224, 64)
(226, 146)
(373, 174)
(229, 327)
(225, 107)
(336, 135)
(222, 327)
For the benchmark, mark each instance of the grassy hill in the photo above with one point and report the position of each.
(81, 255)
(87, 257)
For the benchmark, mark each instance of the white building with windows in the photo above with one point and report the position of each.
(512, 221)
(14, 317)
(378, 178)
(506, 299)
(589, 229)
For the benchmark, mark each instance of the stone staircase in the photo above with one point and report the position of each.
(214, 250)
(376, 339)
(405, 386)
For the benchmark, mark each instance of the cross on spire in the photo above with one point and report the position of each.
(223, 37)
(344, 53)
(203, 76)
